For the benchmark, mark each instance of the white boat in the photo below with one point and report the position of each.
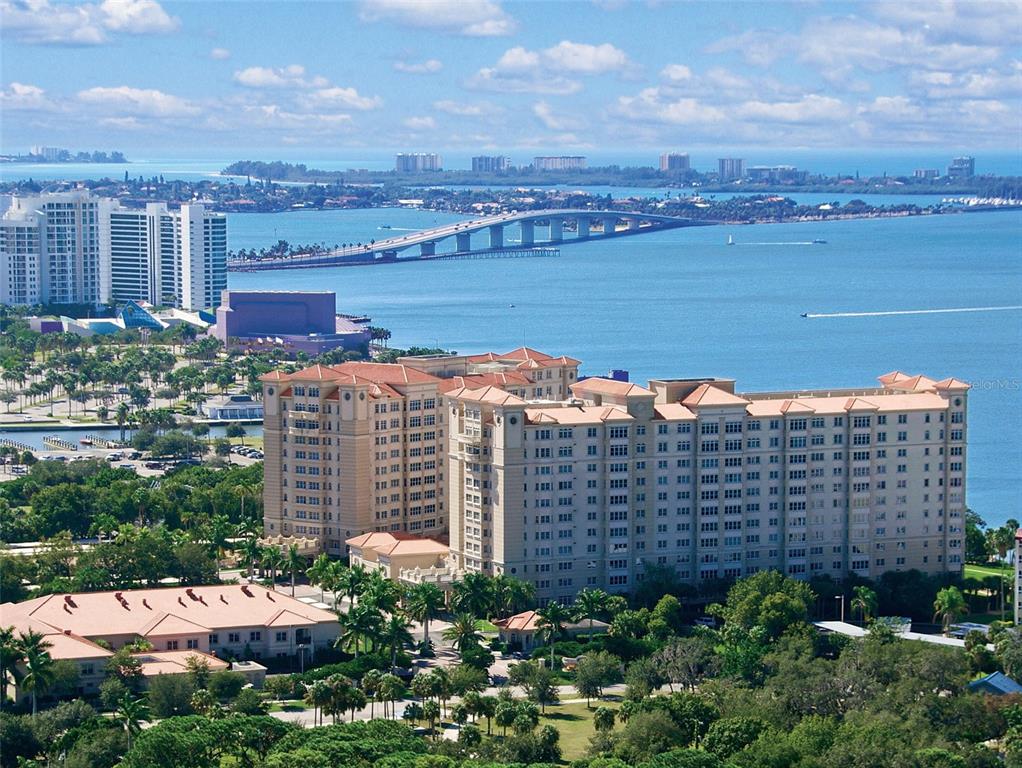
(730, 240)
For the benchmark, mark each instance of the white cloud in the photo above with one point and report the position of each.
(420, 123)
(461, 109)
(584, 58)
(277, 117)
(653, 104)
(759, 47)
(809, 109)
(292, 76)
(545, 114)
(676, 72)
(520, 70)
(427, 67)
(518, 59)
(983, 84)
(146, 102)
(348, 97)
(892, 108)
(493, 79)
(42, 22)
(473, 18)
(25, 97)
(220, 54)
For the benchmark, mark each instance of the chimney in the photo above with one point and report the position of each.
(145, 602)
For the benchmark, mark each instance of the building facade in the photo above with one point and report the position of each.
(361, 447)
(417, 162)
(170, 258)
(74, 248)
(55, 247)
(962, 168)
(687, 474)
(674, 161)
(490, 164)
(559, 163)
(730, 168)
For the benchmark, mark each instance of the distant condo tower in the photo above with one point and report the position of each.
(559, 163)
(674, 161)
(418, 162)
(962, 168)
(730, 168)
(490, 164)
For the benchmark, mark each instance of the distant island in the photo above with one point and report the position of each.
(987, 186)
(58, 155)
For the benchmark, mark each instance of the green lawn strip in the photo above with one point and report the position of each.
(486, 626)
(575, 724)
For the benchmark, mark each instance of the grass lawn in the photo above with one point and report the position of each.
(486, 626)
(575, 723)
(981, 572)
(288, 706)
(251, 441)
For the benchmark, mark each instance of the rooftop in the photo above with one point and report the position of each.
(156, 612)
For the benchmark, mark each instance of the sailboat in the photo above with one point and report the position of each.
(730, 240)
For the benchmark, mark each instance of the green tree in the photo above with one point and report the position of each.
(949, 607)
(296, 563)
(603, 719)
(551, 620)
(473, 594)
(423, 603)
(131, 713)
(538, 681)
(865, 602)
(767, 599)
(463, 633)
(729, 736)
(170, 695)
(594, 672)
(38, 675)
(590, 604)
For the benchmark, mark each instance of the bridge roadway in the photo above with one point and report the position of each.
(386, 251)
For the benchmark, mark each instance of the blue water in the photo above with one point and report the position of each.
(34, 437)
(680, 303)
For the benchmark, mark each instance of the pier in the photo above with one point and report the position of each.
(58, 443)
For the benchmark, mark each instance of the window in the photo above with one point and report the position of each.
(281, 637)
(255, 636)
(234, 637)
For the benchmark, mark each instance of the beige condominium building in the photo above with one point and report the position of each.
(361, 447)
(689, 474)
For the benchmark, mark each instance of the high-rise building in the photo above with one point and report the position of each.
(490, 164)
(569, 484)
(559, 163)
(730, 168)
(361, 447)
(62, 262)
(674, 161)
(73, 248)
(690, 475)
(418, 162)
(962, 168)
(173, 258)
(49, 154)
(926, 173)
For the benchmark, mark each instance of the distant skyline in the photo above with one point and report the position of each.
(480, 75)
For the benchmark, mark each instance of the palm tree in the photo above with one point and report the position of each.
(39, 674)
(590, 603)
(317, 696)
(949, 606)
(865, 601)
(371, 688)
(131, 713)
(10, 657)
(350, 581)
(219, 532)
(552, 618)
(423, 603)
(273, 559)
(251, 555)
(473, 594)
(395, 635)
(295, 561)
(391, 689)
(360, 625)
(321, 574)
(380, 591)
(463, 632)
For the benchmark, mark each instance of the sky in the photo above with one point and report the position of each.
(293, 78)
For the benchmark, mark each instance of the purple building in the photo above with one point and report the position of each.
(298, 321)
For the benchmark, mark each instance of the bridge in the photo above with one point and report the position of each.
(560, 227)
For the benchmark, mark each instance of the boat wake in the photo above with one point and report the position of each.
(800, 242)
(912, 312)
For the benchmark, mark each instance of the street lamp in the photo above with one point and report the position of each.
(301, 656)
(841, 598)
